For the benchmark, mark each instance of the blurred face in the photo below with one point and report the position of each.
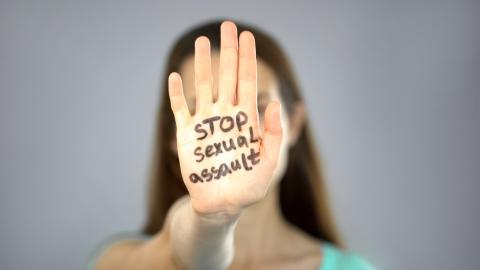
(268, 90)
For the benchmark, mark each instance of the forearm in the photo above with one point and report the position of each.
(187, 241)
(202, 241)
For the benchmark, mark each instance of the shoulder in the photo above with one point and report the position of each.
(336, 259)
(112, 244)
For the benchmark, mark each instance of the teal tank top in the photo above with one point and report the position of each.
(333, 258)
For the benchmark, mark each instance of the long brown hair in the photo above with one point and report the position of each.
(303, 195)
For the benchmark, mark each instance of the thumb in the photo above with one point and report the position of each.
(273, 132)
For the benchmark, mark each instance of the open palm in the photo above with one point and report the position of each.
(226, 162)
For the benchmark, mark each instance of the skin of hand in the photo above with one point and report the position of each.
(235, 109)
(217, 199)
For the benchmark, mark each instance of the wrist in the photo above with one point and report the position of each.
(222, 218)
(217, 218)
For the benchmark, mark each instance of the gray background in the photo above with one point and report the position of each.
(393, 94)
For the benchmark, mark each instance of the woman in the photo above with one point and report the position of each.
(232, 188)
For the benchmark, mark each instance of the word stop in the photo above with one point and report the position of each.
(224, 123)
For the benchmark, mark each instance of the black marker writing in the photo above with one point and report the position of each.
(210, 121)
(252, 140)
(241, 119)
(227, 124)
(224, 123)
(245, 161)
(199, 129)
(217, 148)
(198, 152)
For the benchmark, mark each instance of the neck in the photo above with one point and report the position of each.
(259, 227)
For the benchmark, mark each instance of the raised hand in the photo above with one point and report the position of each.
(226, 162)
